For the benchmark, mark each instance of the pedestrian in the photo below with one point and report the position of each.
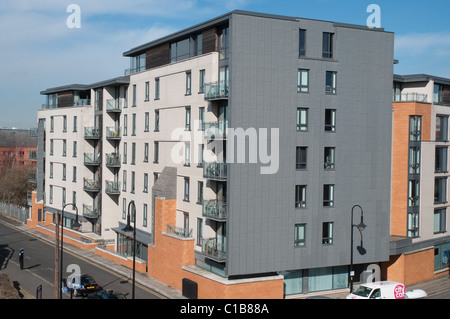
(21, 258)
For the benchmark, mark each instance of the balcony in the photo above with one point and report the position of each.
(178, 231)
(114, 105)
(214, 209)
(91, 159)
(81, 102)
(91, 133)
(90, 185)
(215, 171)
(112, 160)
(90, 212)
(216, 91)
(113, 133)
(216, 130)
(411, 97)
(213, 250)
(112, 188)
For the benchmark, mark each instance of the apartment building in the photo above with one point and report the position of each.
(259, 132)
(17, 147)
(419, 223)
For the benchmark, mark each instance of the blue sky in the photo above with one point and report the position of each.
(39, 51)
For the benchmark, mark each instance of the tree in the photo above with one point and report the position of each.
(14, 185)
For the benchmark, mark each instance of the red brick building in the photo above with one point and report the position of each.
(17, 147)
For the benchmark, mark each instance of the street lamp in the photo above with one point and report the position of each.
(128, 229)
(76, 225)
(361, 226)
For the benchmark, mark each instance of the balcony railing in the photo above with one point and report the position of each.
(114, 105)
(178, 231)
(216, 130)
(81, 102)
(214, 250)
(215, 209)
(113, 160)
(90, 212)
(91, 133)
(216, 171)
(91, 159)
(216, 91)
(112, 187)
(411, 97)
(91, 185)
(113, 133)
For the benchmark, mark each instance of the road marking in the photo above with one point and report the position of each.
(85, 260)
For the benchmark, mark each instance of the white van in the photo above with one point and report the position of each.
(379, 290)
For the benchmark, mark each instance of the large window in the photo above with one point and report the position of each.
(299, 235)
(441, 159)
(302, 119)
(413, 193)
(414, 160)
(301, 158)
(438, 92)
(303, 81)
(137, 63)
(413, 225)
(179, 50)
(441, 128)
(328, 195)
(440, 220)
(330, 120)
(327, 233)
(329, 158)
(415, 128)
(330, 82)
(300, 196)
(440, 190)
(302, 42)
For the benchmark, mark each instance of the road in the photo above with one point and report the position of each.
(39, 265)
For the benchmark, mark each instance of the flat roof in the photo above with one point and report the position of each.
(420, 78)
(84, 87)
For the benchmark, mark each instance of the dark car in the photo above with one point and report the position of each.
(87, 285)
(106, 294)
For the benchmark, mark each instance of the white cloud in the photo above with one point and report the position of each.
(422, 43)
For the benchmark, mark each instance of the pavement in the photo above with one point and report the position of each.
(432, 287)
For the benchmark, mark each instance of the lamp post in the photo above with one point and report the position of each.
(129, 229)
(361, 226)
(76, 225)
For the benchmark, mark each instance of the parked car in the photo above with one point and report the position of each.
(379, 290)
(107, 294)
(87, 285)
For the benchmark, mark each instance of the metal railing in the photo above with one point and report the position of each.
(113, 132)
(214, 250)
(91, 185)
(91, 159)
(178, 231)
(113, 160)
(216, 90)
(411, 97)
(114, 105)
(112, 187)
(91, 133)
(216, 130)
(90, 212)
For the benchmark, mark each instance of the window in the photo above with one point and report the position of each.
(200, 193)
(75, 124)
(329, 158)
(124, 181)
(223, 43)
(125, 125)
(302, 119)
(440, 190)
(413, 193)
(147, 91)
(186, 189)
(188, 119)
(125, 153)
(441, 159)
(64, 172)
(133, 179)
(124, 208)
(145, 183)
(299, 235)
(440, 220)
(133, 127)
(51, 170)
(201, 118)
(327, 233)
(134, 95)
(414, 160)
(51, 195)
(74, 151)
(330, 82)
(64, 123)
(74, 174)
(156, 120)
(188, 83)
(199, 231)
(146, 123)
(301, 158)
(64, 148)
(133, 153)
(300, 196)
(303, 81)
(179, 50)
(327, 45)
(330, 120)
(198, 44)
(302, 43)
(415, 127)
(146, 152)
(438, 93)
(74, 197)
(187, 154)
(201, 149)
(413, 225)
(156, 153)
(441, 128)
(201, 83)
(52, 123)
(63, 196)
(145, 213)
(137, 63)
(328, 195)
(51, 147)
(157, 89)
